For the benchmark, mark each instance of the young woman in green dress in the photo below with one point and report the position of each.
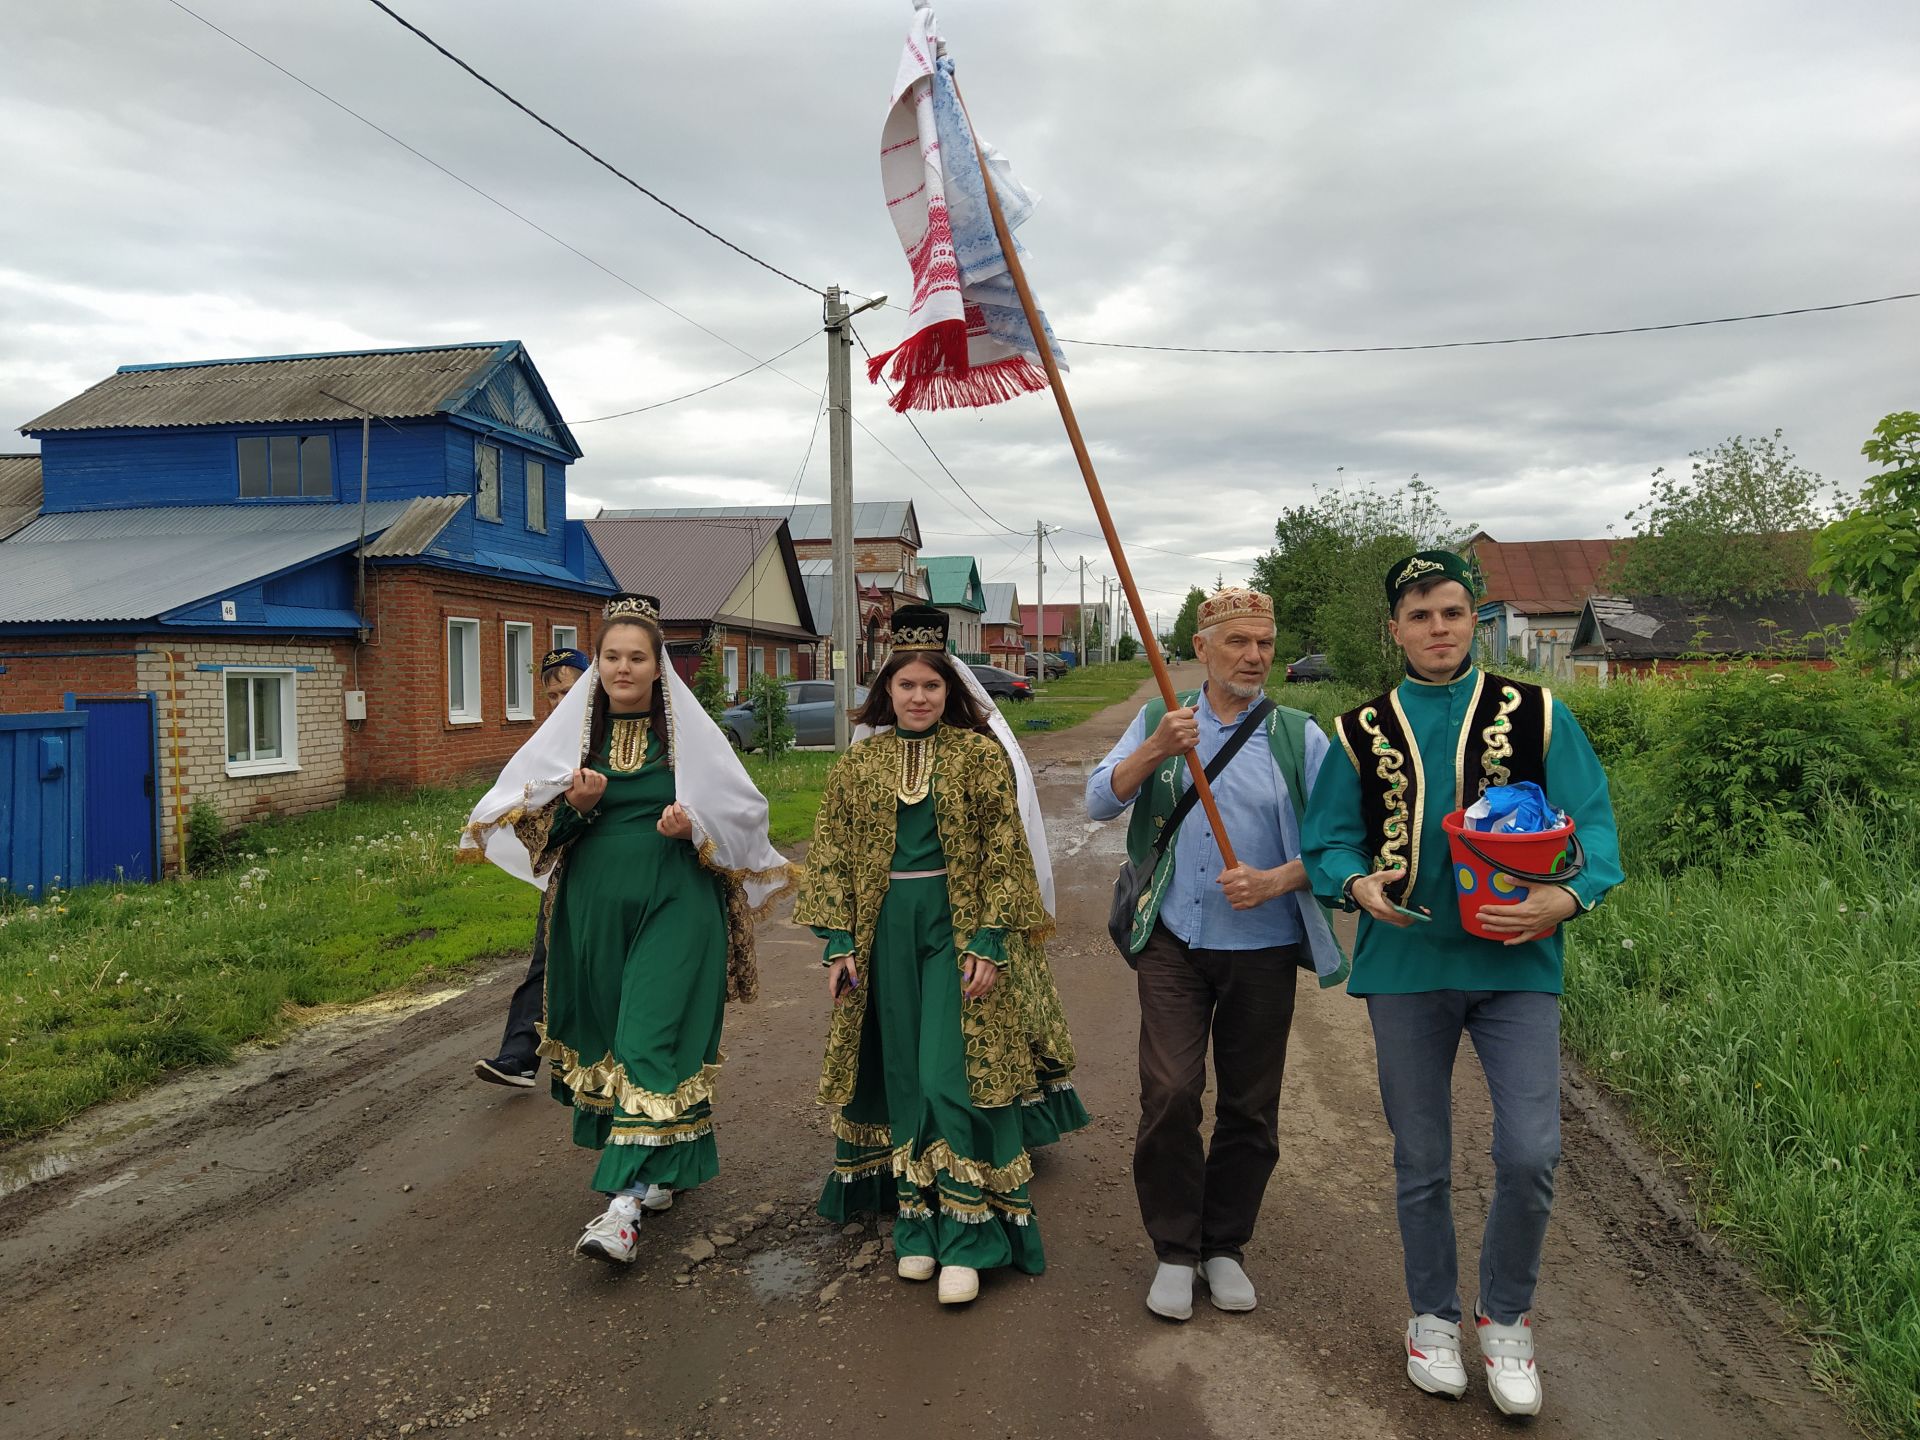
(923, 885)
(651, 923)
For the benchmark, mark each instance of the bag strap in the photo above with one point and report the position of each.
(1250, 726)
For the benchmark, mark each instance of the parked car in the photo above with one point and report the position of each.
(1056, 667)
(1310, 667)
(1002, 684)
(809, 712)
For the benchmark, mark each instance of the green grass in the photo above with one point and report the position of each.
(1076, 696)
(792, 785)
(1764, 1022)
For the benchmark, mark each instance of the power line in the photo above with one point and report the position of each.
(1508, 340)
(604, 164)
(659, 404)
(491, 199)
(929, 444)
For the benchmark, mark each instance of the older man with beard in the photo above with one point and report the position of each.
(1216, 950)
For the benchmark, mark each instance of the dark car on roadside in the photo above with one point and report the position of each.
(809, 712)
(1310, 667)
(1056, 667)
(1002, 684)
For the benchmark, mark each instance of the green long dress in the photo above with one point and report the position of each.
(911, 1142)
(636, 983)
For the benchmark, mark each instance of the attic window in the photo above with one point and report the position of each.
(286, 467)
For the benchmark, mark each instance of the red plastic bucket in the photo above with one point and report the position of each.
(1506, 867)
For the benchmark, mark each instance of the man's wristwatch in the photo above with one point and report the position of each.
(1346, 893)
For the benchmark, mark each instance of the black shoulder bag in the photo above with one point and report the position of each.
(1132, 881)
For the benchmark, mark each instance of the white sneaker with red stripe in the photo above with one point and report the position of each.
(1512, 1378)
(614, 1235)
(1433, 1356)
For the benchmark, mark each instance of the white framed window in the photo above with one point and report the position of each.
(566, 637)
(263, 731)
(536, 496)
(730, 658)
(518, 653)
(463, 671)
(756, 662)
(486, 481)
(783, 663)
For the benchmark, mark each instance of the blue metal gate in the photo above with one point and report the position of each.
(42, 798)
(122, 842)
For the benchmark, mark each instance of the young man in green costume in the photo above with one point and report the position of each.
(1216, 950)
(1374, 843)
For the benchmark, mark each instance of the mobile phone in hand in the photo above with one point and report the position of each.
(1419, 915)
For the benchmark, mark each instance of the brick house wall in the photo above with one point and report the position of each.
(684, 637)
(40, 671)
(867, 554)
(408, 737)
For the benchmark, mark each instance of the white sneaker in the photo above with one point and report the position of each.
(1227, 1284)
(1171, 1297)
(1512, 1378)
(958, 1284)
(1433, 1356)
(915, 1267)
(657, 1198)
(612, 1235)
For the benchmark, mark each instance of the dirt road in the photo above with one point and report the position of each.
(349, 1237)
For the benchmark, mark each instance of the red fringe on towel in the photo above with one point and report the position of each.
(931, 371)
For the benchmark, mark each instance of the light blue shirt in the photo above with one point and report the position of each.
(1258, 814)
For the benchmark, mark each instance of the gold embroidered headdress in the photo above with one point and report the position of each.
(1233, 602)
(919, 628)
(632, 607)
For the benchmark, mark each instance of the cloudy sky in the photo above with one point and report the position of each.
(1224, 174)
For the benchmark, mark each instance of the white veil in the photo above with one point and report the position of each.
(729, 813)
(1030, 816)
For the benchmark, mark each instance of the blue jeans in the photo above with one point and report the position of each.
(1516, 1034)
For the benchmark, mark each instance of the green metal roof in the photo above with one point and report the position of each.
(954, 580)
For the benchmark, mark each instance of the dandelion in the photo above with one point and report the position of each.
(1683, 1079)
(1626, 944)
(1616, 1056)
(1843, 909)
(1833, 1162)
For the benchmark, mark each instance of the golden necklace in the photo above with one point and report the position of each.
(916, 768)
(627, 744)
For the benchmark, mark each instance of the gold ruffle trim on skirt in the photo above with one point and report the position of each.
(848, 1171)
(607, 1080)
(925, 1170)
(784, 877)
(869, 1137)
(674, 1135)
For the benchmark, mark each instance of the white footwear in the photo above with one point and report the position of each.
(1512, 1378)
(1433, 1356)
(613, 1235)
(1171, 1297)
(1227, 1284)
(958, 1284)
(657, 1198)
(915, 1267)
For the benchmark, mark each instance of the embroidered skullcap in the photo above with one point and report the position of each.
(562, 660)
(1424, 566)
(919, 627)
(1234, 602)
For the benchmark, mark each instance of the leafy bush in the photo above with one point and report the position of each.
(710, 681)
(772, 731)
(1125, 648)
(1729, 758)
(207, 843)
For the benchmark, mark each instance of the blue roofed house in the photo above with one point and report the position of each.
(258, 615)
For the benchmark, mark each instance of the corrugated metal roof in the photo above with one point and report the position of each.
(20, 492)
(1544, 576)
(691, 563)
(1668, 627)
(872, 519)
(417, 527)
(394, 384)
(1003, 604)
(819, 590)
(951, 579)
(139, 564)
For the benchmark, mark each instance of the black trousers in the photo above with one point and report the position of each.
(1199, 1203)
(528, 1006)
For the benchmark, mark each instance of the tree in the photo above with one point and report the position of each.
(710, 680)
(1740, 527)
(1873, 552)
(1324, 573)
(772, 731)
(1125, 648)
(1180, 642)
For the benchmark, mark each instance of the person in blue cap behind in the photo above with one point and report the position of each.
(517, 1064)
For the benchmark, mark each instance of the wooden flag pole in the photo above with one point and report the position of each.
(1148, 638)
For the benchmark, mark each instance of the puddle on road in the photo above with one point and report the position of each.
(780, 1274)
(18, 1174)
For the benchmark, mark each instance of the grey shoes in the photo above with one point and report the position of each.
(1227, 1287)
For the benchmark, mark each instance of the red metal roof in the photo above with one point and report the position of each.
(1544, 576)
